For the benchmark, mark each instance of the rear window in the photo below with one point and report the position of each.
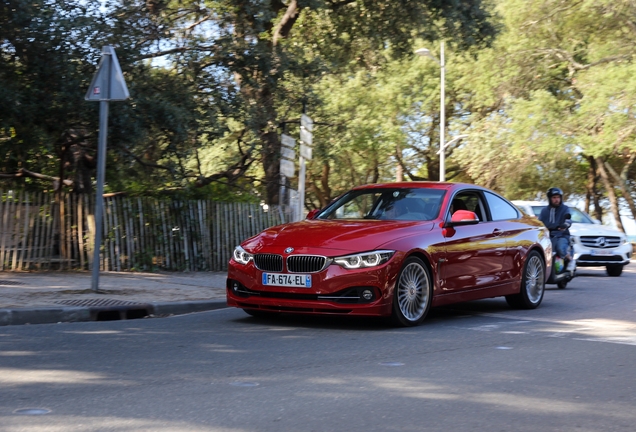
(537, 210)
(577, 215)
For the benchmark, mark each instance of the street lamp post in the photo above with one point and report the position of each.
(442, 113)
(453, 141)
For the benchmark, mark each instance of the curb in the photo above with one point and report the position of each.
(51, 315)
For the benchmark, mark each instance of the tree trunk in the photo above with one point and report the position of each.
(592, 195)
(323, 191)
(621, 180)
(271, 166)
(610, 193)
(59, 197)
(266, 120)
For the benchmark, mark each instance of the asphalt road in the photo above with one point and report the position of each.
(567, 366)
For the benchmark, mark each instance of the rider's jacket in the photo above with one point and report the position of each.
(554, 218)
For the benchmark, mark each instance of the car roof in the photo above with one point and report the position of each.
(421, 185)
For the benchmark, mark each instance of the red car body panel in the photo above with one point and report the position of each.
(467, 262)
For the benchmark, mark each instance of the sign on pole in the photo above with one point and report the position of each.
(108, 84)
(108, 73)
(306, 136)
(287, 168)
(307, 123)
(288, 153)
(306, 139)
(305, 151)
(287, 141)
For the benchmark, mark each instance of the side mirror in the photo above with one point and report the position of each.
(596, 221)
(463, 217)
(312, 214)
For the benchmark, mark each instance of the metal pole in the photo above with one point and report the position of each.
(301, 189)
(101, 169)
(281, 193)
(442, 118)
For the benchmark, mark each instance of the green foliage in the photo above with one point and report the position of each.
(210, 82)
(553, 90)
(40, 80)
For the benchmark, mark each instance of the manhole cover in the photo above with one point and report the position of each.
(97, 302)
(11, 283)
(32, 411)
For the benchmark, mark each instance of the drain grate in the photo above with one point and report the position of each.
(11, 283)
(97, 302)
(110, 309)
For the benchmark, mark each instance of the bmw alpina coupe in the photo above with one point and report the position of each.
(394, 250)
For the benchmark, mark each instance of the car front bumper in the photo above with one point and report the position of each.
(586, 257)
(334, 291)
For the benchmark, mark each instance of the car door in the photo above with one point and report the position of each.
(474, 254)
(506, 216)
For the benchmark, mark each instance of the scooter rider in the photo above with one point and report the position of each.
(556, 217)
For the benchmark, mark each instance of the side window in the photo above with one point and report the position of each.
(468, 201)
(500, 209)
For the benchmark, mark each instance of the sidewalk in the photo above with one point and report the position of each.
(51, 297)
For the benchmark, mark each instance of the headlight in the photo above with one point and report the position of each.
(242, 257)
(364, 259)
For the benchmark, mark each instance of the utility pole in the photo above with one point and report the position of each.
(108, 85)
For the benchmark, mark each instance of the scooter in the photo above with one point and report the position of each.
(560, 275)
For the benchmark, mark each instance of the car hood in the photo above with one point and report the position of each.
(332, 237)
(579, 229)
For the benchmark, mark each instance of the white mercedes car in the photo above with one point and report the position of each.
(595, 245)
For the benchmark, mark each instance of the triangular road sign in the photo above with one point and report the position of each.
(108, 83)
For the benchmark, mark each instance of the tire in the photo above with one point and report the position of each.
(413, 293)
(562, 284)
(532, 284)
(614, 270)
(256, 313)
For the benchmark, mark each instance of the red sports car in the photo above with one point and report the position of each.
(394, 250)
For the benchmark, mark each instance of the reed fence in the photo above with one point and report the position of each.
(40, 232)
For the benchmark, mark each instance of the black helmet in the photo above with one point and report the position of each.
(554, 191)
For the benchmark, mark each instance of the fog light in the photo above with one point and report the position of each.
(367, 294)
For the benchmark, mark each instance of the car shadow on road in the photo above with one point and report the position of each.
(468, 308)
(320, 321)
(443, 313)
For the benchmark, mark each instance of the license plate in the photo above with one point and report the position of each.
(287, 280)
(601, 252)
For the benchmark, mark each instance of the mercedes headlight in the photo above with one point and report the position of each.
(364, 259)
(241, 256)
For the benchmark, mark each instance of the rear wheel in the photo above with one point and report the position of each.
(532, 284)
(413, 293)
(614, 269)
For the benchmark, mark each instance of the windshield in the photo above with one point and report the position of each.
(577, 215)
(386, 204)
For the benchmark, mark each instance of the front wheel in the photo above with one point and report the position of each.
(413, 293)
(532, 284)
(614, 270)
